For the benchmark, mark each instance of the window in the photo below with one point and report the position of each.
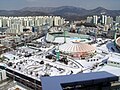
(111, 62)
(115, 63)
(118, 63)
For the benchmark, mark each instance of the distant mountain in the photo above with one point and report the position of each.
(68, 12)
(100, 10)
(56, 10)
(38, 9)
(20, 13)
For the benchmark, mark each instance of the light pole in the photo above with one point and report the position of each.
(57, 52)
(64, 36)
(115, 38)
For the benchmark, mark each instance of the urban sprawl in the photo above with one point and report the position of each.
(35, 47)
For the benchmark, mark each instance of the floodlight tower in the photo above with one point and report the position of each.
(115, 38)
(64, 36)
(115, 34)
(57, 53)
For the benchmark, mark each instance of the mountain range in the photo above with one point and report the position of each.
(68, 12)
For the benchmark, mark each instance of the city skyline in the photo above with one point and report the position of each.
(19, 4)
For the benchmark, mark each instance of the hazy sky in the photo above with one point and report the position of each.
(87, 4)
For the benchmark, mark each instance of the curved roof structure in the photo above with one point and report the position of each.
(118, 41)
(76, 47)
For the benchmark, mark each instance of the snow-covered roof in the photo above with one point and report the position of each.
(10, 56)
(27, 49)
(61, 40)
(114, 57)
(110, 69)
(40, 39)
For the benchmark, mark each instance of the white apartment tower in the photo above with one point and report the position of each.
(0, 22)
(95, 19)
(89, 19)
(104, 19)
(118, 19)
(109, 20)
(16, 24)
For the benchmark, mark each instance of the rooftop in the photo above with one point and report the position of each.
(77, 79)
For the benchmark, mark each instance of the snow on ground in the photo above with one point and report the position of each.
(17, 87)
(36, 69)
(10, 56)
(26, 49)
(40, 39)
(115, 57)
(32, 63)
(61, 40)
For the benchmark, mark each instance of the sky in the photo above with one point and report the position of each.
(87, 4)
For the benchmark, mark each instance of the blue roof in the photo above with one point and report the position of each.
(54, 83)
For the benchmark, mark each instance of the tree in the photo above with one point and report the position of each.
(15, 66)
(21, 62)
(42, 62)
(10, 64)
(31, 73)
(36, 74)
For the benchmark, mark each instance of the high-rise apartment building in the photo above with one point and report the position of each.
(109, 20)
(95, 19)
(0, 22)
(118, 19)
(16, 24)
(89, 19)
(104, 19)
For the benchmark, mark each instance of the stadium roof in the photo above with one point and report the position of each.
(118, 41)
(76, 47)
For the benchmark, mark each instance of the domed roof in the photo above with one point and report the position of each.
(118, 41)
(76, 47)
